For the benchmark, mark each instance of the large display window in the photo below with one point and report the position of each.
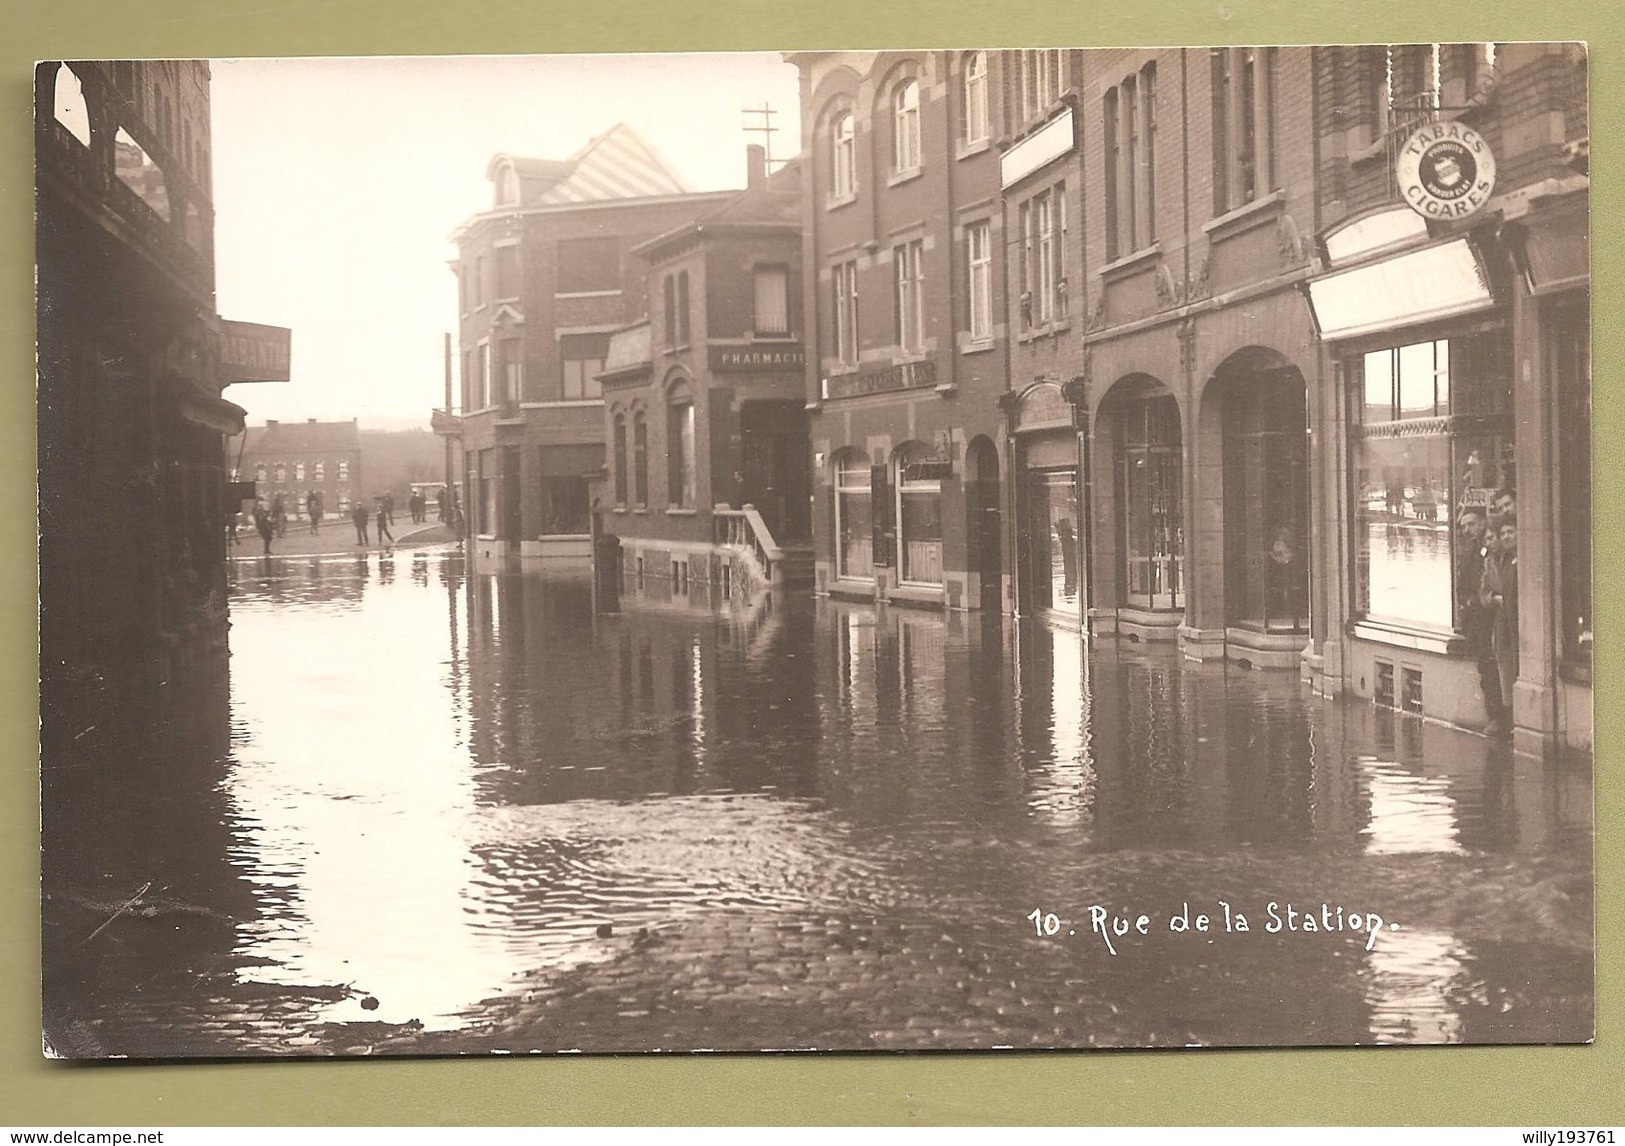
(919, 516)
(854, 518)
(1151, 503)
(1430, 435)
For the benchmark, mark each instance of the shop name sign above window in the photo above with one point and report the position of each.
(1446, 171)
(730, 359)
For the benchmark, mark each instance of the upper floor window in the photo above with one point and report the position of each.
(581, 359)
(979, 274)
(482, 287)
(298, 471)
(344, 470)
(905, 155)
(843, 181)
(589, 265)
(507, 271)
(1243, 126)
(675, 295)
(507, 187)
(910, 265)
(845, 279)
(685, 333)
(259, 472)
(321, 471)
(1041, 82)
(975, 97)
(508, 366)
(772, 297)
(281, 473)
(1131, 157)
(1043, 258)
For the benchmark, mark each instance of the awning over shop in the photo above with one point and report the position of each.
(1419, 286)
(1556, 249)
(213, 413)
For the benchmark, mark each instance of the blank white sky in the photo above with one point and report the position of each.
(338, 181)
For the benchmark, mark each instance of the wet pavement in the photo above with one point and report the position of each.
(443, 811)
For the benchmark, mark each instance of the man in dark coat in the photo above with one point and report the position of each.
(1473, 550)
(358, 515)
(1500, 594)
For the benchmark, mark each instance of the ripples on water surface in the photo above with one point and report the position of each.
(466, 803)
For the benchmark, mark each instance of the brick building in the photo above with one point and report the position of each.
(545, 275)
(291, 460)
(1201, 266)
(903, 240)
(1454, 365)
(704, 400)
(132, 357)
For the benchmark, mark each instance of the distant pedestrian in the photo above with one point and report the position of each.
(388, 507)
(440, 500)
(358, 516)
(313, 507)
(265, 527)
(279, 515)
(383, 525)
(420, 508)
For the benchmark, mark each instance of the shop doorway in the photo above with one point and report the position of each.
(984, 527)
(1266, 496)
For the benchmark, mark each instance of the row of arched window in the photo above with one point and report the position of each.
(629, 443)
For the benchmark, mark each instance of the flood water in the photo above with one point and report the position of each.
(449, 810)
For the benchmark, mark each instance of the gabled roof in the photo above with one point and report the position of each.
(300, 437)
(616, 165)
(773, 204)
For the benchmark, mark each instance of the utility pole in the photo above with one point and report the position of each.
(763, 127)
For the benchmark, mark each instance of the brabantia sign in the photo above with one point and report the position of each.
(1446, 171)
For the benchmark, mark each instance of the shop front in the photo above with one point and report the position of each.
(1051, 519)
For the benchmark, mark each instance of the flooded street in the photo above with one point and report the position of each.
(459, 813)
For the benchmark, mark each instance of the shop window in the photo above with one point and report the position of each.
(1431, 435)
(565, 508)
(909, 261)
(975, 64)
(854, 517)
(1266, 502)
(588, 266)
(581, 360)
(1243, 126)
(919, 515)
(772, 301)
(906, 128)
(1383, 692)
(979, 274)
(1410, 698)
(1151, 502)
(843, 158)
(845, 280)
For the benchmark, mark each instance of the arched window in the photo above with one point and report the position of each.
(919, 515)
(507, 186)
(906, 127)
(640, 459)
(619, 438)
(680, 472)
(843, 157)
(975, 97)
(854, 517)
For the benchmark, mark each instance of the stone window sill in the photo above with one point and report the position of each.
(1131, 263)
(1399, 636)
(1241, 219)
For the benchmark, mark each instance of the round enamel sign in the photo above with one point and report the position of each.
(1446, 171)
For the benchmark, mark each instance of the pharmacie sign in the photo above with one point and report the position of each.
(1446, 171)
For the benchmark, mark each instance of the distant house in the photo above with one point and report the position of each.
(294, 458)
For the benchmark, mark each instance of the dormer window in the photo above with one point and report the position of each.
(507, 187)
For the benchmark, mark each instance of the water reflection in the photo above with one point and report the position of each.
(450, 793)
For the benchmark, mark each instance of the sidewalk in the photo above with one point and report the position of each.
(337, 536)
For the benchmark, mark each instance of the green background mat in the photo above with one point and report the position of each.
(1552, 1086)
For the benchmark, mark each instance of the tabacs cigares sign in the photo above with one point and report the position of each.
(1446, 171)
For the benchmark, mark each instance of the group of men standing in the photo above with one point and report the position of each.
(1487, 589)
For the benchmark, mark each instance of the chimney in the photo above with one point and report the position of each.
(755, 164)
(310, 421)
(270, 423)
